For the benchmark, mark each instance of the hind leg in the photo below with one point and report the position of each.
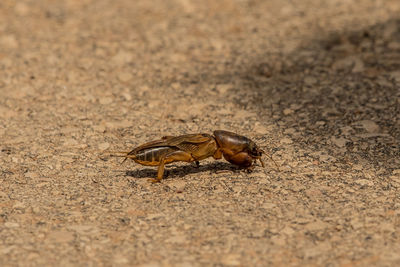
(172, 157)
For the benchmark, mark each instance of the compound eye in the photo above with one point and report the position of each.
(254, 150)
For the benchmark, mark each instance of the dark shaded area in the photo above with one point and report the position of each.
(172, 171)
(337, 94)
(336, 90)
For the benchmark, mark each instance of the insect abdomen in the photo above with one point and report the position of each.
(153, 155)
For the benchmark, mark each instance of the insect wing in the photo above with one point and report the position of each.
(183, 142)
(189, 138)
(155, 143)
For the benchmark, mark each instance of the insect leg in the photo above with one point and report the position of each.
(172, 157)
(218, 154)
(262, 162)
(241, 159)
(160, 171)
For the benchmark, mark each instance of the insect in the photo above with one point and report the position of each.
(237, 149)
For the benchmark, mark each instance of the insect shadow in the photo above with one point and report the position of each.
(180, 171)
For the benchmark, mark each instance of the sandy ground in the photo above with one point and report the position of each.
(315, 83)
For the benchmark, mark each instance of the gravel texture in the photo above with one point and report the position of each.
(315, 83)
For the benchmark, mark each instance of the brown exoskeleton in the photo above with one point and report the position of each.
(236, 149)
(188, 148)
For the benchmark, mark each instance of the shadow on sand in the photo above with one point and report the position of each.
(337, 94)
(172, 171)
